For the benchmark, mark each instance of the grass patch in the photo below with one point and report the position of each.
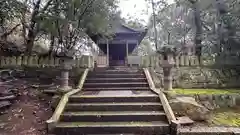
(226, 117)
(205, 91)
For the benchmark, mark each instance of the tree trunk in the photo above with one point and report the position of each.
(198, 36)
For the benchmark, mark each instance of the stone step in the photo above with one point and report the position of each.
(110, 85)
(117, 72)
(117, 89)
(142, 128)
(114, 80)
(127, 75)
(139, 106)
(113, 99)
(116, 116)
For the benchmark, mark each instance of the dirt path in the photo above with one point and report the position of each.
(28, 113)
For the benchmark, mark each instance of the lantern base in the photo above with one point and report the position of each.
(64, 90)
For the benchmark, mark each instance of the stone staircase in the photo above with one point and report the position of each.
(114, 101)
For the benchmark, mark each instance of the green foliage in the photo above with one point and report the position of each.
(205, 91)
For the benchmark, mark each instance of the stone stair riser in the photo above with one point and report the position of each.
(114, 108)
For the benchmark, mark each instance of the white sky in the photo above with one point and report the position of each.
(136, 9)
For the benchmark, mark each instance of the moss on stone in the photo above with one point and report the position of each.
(205, 91)
(226, 117)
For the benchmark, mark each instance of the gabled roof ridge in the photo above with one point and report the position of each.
(132, 29)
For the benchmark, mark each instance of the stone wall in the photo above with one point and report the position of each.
(212, 102)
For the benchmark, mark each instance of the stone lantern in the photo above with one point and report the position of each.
(168, 53)
(66, 66)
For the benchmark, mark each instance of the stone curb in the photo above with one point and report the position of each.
(208, 131)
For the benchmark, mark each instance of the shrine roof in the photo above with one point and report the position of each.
(122, 31)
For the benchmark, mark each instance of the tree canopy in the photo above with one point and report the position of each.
(62, 22)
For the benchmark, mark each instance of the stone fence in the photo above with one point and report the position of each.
(35, 61)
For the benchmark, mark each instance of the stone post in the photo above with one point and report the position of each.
(167, 72)
(66, 67)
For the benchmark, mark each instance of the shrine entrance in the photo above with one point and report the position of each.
(115, 50)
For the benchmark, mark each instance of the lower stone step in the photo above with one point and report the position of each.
(117, 116)
(140, 106)
(113, 99)
(142, 128)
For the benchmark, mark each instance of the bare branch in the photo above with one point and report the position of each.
(4, 35)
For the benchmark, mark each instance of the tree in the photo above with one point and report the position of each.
(198, 24)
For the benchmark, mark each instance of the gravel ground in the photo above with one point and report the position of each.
(28, 113)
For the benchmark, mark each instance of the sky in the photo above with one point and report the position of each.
(136, 9)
